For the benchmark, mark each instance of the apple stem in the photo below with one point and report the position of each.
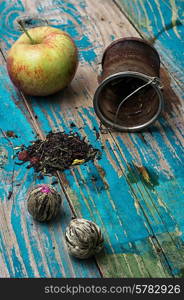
(25, 30)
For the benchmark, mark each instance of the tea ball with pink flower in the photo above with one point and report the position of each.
(43, 202)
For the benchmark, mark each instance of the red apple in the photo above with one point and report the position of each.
(42, 61)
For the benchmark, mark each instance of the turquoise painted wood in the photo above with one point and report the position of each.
(161, 21)
(27, 248)
(111, 208)
(142, 225)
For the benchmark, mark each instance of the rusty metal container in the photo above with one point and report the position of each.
(129, 96)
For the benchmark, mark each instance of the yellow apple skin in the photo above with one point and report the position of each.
(45, 67)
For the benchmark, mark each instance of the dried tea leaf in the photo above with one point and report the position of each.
(57, 152)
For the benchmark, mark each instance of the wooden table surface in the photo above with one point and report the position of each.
(142, 220)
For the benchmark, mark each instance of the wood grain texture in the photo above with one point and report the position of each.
(162, 22)
(142, 224)
(28, 248)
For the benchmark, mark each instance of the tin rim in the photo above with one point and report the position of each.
(129, 39)
(107, 122)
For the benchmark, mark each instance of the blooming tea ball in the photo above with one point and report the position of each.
(43, 202)
(83, 238)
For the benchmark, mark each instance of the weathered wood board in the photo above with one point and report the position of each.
(27, 248)
(162, 22)
(141, 221)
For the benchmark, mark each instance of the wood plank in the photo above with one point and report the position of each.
(132, 269)
(118, 262)
(139, 152)
(163, 23)
(131, 249)
(27, 248)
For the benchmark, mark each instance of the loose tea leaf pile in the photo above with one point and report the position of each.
(57, 152)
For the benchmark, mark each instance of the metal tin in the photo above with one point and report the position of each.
(129, 96)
